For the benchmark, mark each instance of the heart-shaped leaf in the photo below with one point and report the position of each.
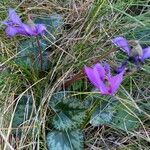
(115, 114)
(59, 140)
(70, 111)
(104, 113)
(124, 119)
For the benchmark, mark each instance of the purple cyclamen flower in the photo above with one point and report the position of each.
(16, 27)
(123, 43)
(102, 79)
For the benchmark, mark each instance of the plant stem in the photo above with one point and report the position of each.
(40, 52)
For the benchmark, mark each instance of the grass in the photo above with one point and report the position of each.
(86, 39)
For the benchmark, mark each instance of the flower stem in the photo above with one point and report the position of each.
(40, 52)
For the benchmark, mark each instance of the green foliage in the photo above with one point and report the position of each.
(53, 24)
(70, 112)
(129, 147)
(29, 55)
(146, 68)
(69, 115)
(87, 37)
(95, 12)
(3, 75)
(23, 112)
(103, 114)
(114, 114)
(124, 119)
(68, 120)
(59, 140)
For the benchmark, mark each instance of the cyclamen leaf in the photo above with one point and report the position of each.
(57, 98)
(99, 118)
(53, 23)
(103, 114)
(23, 112)
(30, 55)
(125, 120)
(64, 100)
(62, 121)
(68, 120)
(70, 112)
(114, 114)
(58, 140)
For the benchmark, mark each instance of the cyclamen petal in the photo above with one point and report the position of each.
(41, 28)
(101, 86)
(14, 17)
(11, 31)
(107, 68)
(115, 82)
(101, 71)
(107, 85)
(28, 30)
(146, 53)
(16, 27)
(93, 75)
(122, 43)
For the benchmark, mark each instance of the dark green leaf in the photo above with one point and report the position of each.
(124, 119)
(53, 24)
(30, 55)
(70, 112)
(103, 113)
(23, 111)
(22, 115)
(68, 120)
(58, 140)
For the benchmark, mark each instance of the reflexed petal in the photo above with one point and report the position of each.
(28, 30)
(101, 86)
(40, 29)
(107, 68)
(5, 22)
(146, 53)
(122, 43)
(90, 74)
(11, 31)
(14, 17)
(21, 31)
(101, 71)
(115, 82)
(16, 26)
(94, 77)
